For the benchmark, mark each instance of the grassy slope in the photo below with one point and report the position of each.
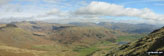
(129, 38)
(152, 42)
(14, 36)
(95, 49)
(13, 51)
(82, 35)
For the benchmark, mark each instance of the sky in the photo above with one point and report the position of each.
(66, 11)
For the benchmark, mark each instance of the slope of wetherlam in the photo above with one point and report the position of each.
(153, 42)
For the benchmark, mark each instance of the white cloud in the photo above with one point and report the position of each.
(107, 9)
(53, 12)
(4, 1)
(16, 10)
(141, 2)
(52, 1)
(91, 13)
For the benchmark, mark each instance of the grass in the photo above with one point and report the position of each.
(105, 43)
(128, 38)
(78, 50)
(50, 47)
(85, 51)
(13, 51)
(44, 47)
(54, 50)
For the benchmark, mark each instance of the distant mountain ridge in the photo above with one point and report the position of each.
(124, 27)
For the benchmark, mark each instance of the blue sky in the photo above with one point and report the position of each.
(154, 5)
(84, 10)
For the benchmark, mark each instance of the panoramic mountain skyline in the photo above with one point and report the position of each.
(81, 27)
(66, 11)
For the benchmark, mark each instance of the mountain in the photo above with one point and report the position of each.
(83, 35)
(13, 51)
(83, 24)
(51, 39)
(130, 28)
(67, 33)
(37, 25)
(124, 27)
(15, 40)
(142, 47)
(15, 36)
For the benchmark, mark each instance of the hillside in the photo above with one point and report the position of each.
(13, 51)
(14, 36)
(151, 43)
(84, 35)
(59, 39)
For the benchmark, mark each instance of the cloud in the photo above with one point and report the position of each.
(62, 11)
(107, 9)
(159, 4)
(16, 10)
(4, 1)
(52, 1)
(59, 16)
(53, 12)
(57, 12)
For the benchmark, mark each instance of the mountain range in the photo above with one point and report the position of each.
(35, 38)
(124, 27)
